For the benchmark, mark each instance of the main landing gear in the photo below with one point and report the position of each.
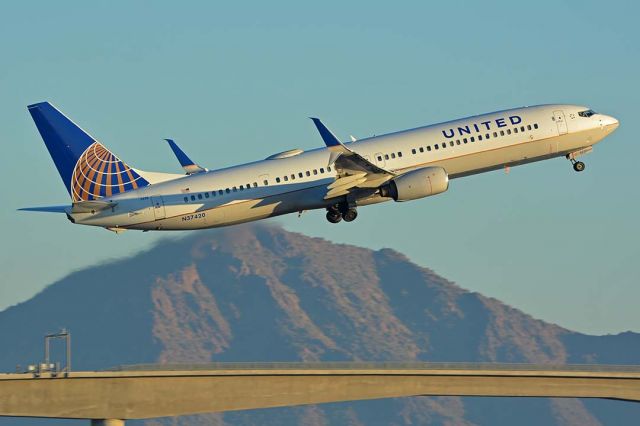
(338, 212)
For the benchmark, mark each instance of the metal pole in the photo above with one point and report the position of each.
(46, 349)
(62, 334)
(68, 367)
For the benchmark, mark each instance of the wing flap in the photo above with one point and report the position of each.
(344, 188)
(346, 180)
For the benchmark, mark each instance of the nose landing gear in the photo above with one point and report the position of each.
(578, 166)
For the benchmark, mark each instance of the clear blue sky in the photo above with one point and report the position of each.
(235, 81)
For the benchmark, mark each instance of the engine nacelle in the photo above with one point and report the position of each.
(416, 184)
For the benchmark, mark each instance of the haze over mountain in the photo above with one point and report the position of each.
(260, 293)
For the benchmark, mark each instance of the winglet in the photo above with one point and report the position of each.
(327, 136)
(189, 166)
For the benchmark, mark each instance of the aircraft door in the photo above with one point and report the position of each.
(379, 159)
(558, 117)
(158, 207)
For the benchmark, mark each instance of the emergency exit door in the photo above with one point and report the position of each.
(558, 117)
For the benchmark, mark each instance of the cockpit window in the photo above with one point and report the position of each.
(587, 113)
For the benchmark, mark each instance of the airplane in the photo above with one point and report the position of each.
(339, 177)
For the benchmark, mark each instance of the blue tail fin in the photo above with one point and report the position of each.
(89, 170)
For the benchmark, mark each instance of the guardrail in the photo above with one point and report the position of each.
(375, 365)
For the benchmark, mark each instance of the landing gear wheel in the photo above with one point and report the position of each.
(578, 166)
(350, 215)
(334, 216)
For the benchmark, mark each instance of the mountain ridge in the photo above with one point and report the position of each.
(260, 293)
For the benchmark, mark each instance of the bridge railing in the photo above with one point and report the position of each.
(375, 366)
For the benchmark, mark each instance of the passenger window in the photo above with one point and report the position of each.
(528, 126)
(436, 146)
(487, 136)
(235, 189)
(255, 184)
(328, 168)
(515, 130)
(379, 159)
(241, 187)
(495, 134)
(213, 193)
(508, 131)
(522, 129)
(286, 178)
(399, 154)
(193, 198)
(199, 196)
(265, 182)
(457, 141)
(444, 144)
(321, 169)
(220, 192)
(464, 140)
(206, 195)
(386, 156)
(393, 155)
(300, 175)
(473, 139)
(315, 172)
(186, 199)
(479, 137)
(278, 180)
(293, 176)
(501, 132)
(308, 173)
(451, 143)
(413, 151)
(535, 125)
(422, 149)
(428, 148)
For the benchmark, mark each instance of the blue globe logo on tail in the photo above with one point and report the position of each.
(99, 173)
(88, 169)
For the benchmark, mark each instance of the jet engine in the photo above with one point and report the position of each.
(416, 184)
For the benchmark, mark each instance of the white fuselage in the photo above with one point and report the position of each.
(299, 182)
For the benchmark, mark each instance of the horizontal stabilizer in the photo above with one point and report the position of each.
(187, 164)
(47, 209)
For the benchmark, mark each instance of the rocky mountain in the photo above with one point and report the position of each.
(260, 293)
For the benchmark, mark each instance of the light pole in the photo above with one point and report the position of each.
(62, 334)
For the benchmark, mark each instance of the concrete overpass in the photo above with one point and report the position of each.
(146, 391)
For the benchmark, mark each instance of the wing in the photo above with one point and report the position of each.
(354, 170)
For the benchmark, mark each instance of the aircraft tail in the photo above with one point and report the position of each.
(88, 169)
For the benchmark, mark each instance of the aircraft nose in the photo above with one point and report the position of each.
(609, 122)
